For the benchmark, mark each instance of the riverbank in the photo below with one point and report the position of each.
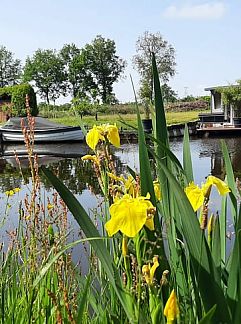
(176, 130)
(130, 120)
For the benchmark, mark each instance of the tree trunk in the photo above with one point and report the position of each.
(47, 98)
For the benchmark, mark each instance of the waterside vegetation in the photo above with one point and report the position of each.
(155, 256)
(129, 119)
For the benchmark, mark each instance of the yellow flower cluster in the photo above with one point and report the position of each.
(102, 133)
(197, 195)
(12, 192)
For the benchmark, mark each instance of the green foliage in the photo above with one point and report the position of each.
(46, 70)
(10, 68)
(82, 106)
(18, 99)
(104, 66)
(147, 44)
(232, 95)
(180, 255)
(169, 95)
(188, 98)
(79, 78)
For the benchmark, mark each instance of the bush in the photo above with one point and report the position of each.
(18, 93)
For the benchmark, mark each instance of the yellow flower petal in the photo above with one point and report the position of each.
(157, 189)
(195, 196)
(93, 137)
(150, 223)
(129, 185)
(149, 271)
(171, 310)
(100, 133)
(9, 193)
(50, 206)
(154, 267)
(221, 185)
(128, 215)
(115, 177)
(146, 273)
(92, 158)
(113, 135)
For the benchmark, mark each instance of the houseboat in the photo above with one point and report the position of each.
(222, 119)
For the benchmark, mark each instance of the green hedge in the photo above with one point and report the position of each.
(18, 99)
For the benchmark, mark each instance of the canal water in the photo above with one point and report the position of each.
(79, 178)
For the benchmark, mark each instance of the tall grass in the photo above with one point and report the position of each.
(174, 267)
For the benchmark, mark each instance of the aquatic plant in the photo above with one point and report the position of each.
(193, 268)
(157, 255)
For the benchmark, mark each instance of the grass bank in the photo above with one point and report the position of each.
(172, 118)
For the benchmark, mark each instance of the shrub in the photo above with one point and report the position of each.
(18, 93)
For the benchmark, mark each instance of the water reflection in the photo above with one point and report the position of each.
(65, 161)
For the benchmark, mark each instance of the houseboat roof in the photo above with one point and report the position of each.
(217, 87)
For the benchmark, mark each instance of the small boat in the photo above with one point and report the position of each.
(61, 149)
(44, 131)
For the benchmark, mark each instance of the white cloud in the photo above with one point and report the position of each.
(214, 10)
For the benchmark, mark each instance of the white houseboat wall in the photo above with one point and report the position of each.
(221, 115)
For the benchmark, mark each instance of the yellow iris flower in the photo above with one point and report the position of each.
(129, 215)
(220, 185)
(115, 177)
(171, 310)
(92, 158)
(197, 195)
(100, 133)
(149, 271)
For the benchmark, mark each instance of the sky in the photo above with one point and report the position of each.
(205, 34)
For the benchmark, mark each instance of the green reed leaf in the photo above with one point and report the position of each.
(145, 167)
(216, 246)
(187, 160)
(234, 278)
(83, 301)
(230, 181)
(207, 318)
(201, 258)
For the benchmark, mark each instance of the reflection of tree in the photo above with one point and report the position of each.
(74, 173)
(10, 176)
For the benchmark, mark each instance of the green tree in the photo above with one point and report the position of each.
(78, 76)
(104, 66)
(10, 68)
(169, 95)
(46, 70)
(147, 44)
